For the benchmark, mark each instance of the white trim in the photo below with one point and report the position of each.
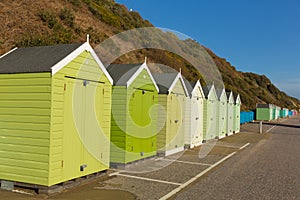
(102, 67)
(209, 93)
(231, 98)
(9, 52)
(238, 100)
(136, 74)
(197, 144)
(222, 94)
(221, 137)
(179, 77)
(195, 87)
(229, 134)
(84, 47)
(173, 151)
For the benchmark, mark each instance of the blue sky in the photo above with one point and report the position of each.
(260, 36)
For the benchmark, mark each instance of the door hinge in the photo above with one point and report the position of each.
(65, 87)
(62, 163)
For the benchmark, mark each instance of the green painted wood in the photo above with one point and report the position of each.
(264, 114)
(237, 115)
(39, 142)
(79, 128)
(134, 125)
(210, 115)
(222, 115)
(24, 127)
(171, 136)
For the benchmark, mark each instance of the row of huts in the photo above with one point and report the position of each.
(64, 115)
(269, 112)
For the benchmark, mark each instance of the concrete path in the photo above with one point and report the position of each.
(269, 169)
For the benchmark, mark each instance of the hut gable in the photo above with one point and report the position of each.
(230, 98)
(125, 74)
(45, 59)
(210, 92)
(238, 100)
(168, 82)
(221, 95)
(197, 90)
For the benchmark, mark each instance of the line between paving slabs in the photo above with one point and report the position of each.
(181, 185)
(184, 185)
(270, 129)
(186, 162)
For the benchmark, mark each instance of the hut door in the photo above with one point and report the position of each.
(72, 149)
(83, 136)
(175, 120)
(140, 104)
(196, 114)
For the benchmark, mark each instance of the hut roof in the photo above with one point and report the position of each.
(34, 59)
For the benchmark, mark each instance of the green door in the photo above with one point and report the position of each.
(141, 138)
(85, 147)
(174, 111)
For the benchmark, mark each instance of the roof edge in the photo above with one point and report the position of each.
(179, 77)
(198, 85)
(9, 52)
(85, 46)
(135, 75)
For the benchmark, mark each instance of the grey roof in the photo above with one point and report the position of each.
(35, 59)
(164, 81)
(218, 92)
(206, 90)
(228, 94)
(263, 105)
(189, 86)
(121, 73)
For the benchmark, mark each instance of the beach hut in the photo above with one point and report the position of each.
(134, 116)
(230, 113)
(172, 99)
(194, 115)
(264, 112)
(277, 112)
(237, 114)
(284, 112)
(54, 114)
(222, 113)
(210, 113)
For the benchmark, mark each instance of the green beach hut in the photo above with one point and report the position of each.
(264, 112)
(230, 113)
(210, 129)
(134, 116)
(222, 113)
(194, 115)
(54, 114)
(237, 114)
(171, 99)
